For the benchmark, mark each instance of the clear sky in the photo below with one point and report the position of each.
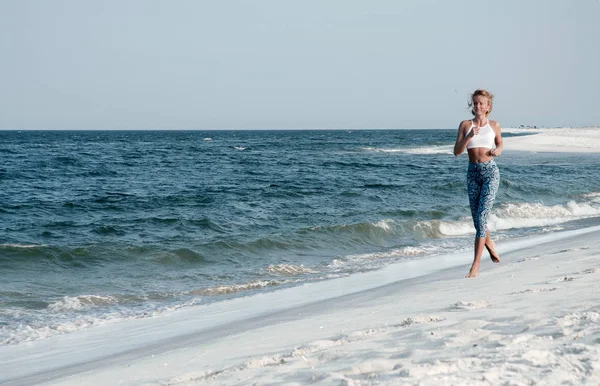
(250, 64)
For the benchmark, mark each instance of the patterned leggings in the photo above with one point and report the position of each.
(483, 180)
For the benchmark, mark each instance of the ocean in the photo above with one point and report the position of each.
(102, 226)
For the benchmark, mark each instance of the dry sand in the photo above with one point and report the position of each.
(572, 140)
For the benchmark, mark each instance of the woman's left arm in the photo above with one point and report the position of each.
(498, 140)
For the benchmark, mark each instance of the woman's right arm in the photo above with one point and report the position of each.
(462, 140)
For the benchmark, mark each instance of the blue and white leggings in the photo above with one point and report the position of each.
(483, 180)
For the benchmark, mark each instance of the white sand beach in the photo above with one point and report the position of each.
(572, 140)
(532, 319)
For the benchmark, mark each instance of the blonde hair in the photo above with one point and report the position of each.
(483, 93)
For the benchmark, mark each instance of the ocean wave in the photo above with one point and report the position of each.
(200, 223)
(178, 255)
(510, 216)
(506, 216)
(373, 231)
(408, 251)
(73, 313)
(69, 315)
(258, 284)
(30, 332)
(264, 244)
(288, 269)
(109, 230)
(594, 196)
(233, 288)
(524, 215)
(15, 254)
(351, 235)
(20, 246)
(94, 255)
(538, 210)
(439, 228)
(358, 227)
(386, 232)
(81, 302)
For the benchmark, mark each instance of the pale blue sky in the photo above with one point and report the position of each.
(193, 64)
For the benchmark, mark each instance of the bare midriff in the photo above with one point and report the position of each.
(479, 155)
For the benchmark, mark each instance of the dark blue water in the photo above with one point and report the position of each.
(107, 225)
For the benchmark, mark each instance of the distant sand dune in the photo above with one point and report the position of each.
(575, 140)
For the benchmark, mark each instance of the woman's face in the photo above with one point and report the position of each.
(481, 105)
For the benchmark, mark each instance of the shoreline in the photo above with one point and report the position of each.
(289, 338)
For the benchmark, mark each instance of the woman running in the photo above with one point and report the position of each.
(483, 141)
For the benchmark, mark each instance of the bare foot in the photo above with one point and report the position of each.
(473, 271)
(493, 255)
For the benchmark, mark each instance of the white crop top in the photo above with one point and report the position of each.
(485, 137)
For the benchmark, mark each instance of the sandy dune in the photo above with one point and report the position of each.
(572, 140)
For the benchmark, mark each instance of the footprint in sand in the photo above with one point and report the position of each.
(563, 251)
(463, 305)
(575, 249)
(319, 345)
(578, 319)
(534, 290)
(419, 319)
(565, 279)
(591, 270)
(536, 257)
(305, 353)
